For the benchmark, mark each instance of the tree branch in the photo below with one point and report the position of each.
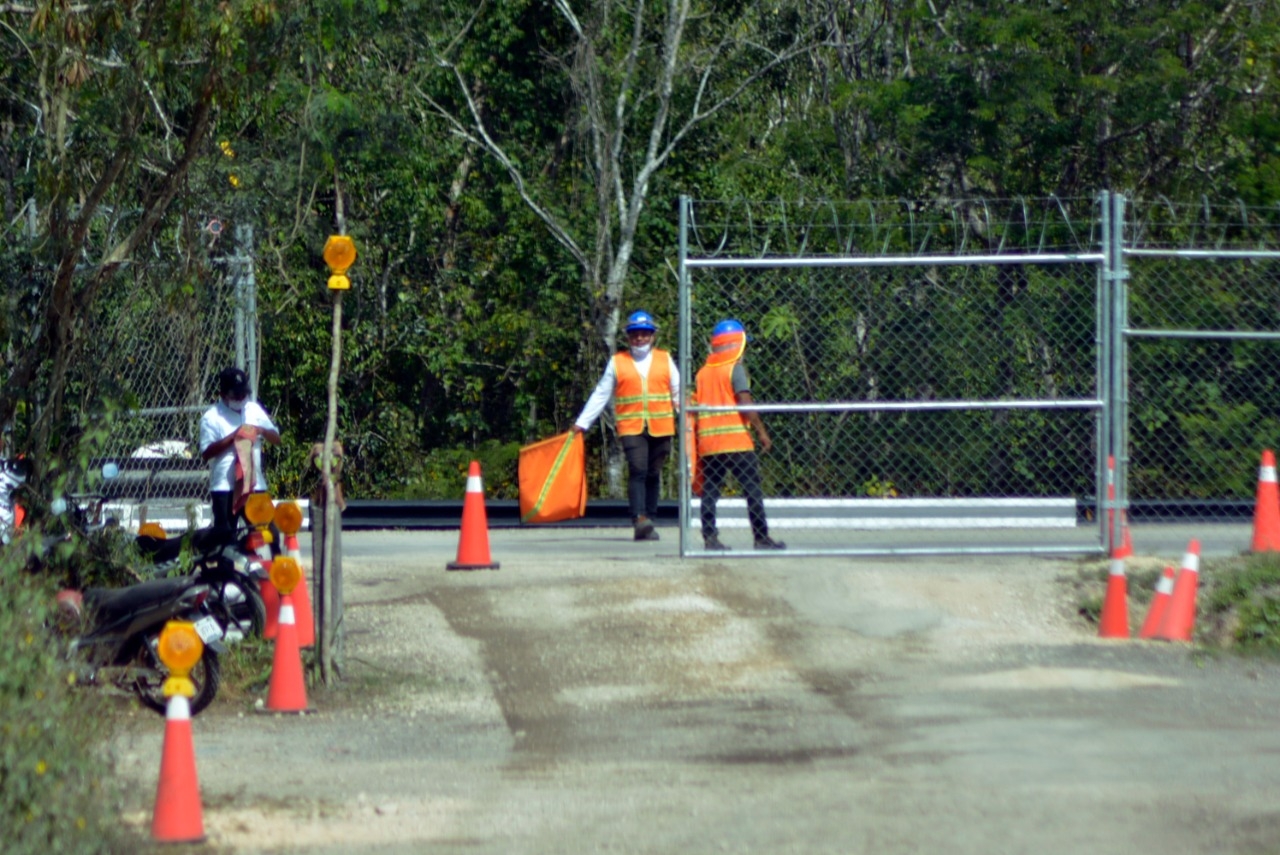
(479, 135)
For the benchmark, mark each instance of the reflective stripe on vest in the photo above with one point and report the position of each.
(720, 433)
(640, 401)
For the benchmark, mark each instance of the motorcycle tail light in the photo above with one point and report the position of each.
(201, 596)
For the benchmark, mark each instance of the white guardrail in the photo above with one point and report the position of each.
(175, 515)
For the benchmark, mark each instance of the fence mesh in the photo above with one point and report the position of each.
(1203, 302)
(157, 351)
(944, 377)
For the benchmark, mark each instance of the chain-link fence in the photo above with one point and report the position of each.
(1201, 287)
(156, 350)
(938, 369)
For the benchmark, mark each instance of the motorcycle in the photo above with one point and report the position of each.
(220, 560)
(224, 562)
(115, 637)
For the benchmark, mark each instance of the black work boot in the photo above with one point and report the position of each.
(713, 543)
(767, 542)
(645, 529)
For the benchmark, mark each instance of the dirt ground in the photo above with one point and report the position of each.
(605, 699)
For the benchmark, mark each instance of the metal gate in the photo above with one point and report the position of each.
(944, 369)
(1200, 287)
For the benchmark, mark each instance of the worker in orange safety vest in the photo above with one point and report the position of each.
(724, 442)
(644, 384)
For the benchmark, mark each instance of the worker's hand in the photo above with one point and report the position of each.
(766, 444)
(248, 432)
(577, 429)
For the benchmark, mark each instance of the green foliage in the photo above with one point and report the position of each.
(1242, 604)
(246, 671)
(442, 474)
(55, 781)
(469, 323)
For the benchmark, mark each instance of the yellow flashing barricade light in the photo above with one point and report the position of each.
(152, 529)
(339, 254)
(286, 573)
(288, 517)
(180, 649)
(259, 510)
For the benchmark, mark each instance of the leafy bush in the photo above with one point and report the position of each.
(55, 793)
(442, 474)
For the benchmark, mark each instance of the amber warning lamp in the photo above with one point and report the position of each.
(339, 254)
(180, 648)
(286, 573)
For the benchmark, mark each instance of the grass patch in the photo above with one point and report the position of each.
(246, 671)
(1240, 604)
(1237, 603)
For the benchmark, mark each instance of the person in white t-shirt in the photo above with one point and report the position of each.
(233, 476)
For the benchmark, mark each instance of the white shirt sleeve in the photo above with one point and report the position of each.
(599, 398)
(256, 416)
(210, 429)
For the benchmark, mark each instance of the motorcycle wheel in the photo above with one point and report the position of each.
(241, 608)
(207, 675)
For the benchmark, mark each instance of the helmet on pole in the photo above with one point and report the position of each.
(641, 321)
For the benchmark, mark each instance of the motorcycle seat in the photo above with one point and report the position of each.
(203, 541)
(108, 604)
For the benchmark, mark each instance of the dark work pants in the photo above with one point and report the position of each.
(745, 467)
(645, 456)
(224, 517)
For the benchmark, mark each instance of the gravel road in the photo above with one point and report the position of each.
(593, 696)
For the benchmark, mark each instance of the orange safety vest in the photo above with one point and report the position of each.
(643, 401)
(720, 433)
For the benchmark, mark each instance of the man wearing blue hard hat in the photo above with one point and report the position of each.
(644, 384)
(724, 442)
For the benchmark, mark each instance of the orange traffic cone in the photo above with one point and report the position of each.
(1159, 605)
(1125, 548)
(270, 596)
(473, 542)
(1181, 614)
(1115, 608)
(1266, 509)
(302, 611)
(178, 816)
(287, 691)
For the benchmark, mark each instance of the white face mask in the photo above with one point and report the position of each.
(639, 352)
(238, 406)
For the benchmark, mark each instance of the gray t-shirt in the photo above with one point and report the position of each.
(740, 380)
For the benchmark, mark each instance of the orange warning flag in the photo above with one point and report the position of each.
(553, 479)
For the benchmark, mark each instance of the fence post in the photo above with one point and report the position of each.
(686, 379)
(1120, 356)
(1104, 343)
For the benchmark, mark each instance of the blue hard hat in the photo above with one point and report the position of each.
(727, 326)
(641, 320)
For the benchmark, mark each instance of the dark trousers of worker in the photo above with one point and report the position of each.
(224, 516)
(745, 467)
(645, 457)
(223, 506)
